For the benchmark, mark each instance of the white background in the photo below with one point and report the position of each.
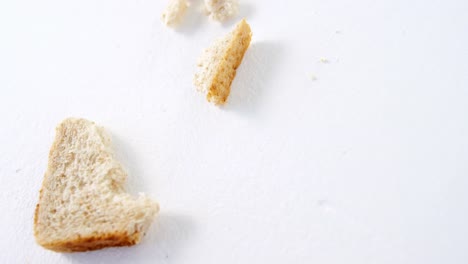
(366, 164)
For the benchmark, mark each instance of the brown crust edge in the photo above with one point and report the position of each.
(95, 242)
(212, 95)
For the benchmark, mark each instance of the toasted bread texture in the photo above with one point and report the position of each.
(174, 12)
(82, 204)
(218, 64)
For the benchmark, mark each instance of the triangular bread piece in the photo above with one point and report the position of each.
(82, 204)
(218, 64)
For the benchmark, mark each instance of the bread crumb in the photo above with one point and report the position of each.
(221, 10)
(174, 12)
(218, 64)
(313, 77)
(323, 60)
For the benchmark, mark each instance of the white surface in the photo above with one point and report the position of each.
(366, 164)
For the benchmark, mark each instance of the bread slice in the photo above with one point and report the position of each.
(221, 10)
(174, 12)
(82, 204)
(218, 64)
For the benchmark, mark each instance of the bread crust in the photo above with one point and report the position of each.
(95, 242)
(87, 243)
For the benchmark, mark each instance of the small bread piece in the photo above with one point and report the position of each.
(221, 10)
(174, 12)
(218, 64)
(82, 204)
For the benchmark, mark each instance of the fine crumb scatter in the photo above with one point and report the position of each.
(323, 60)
